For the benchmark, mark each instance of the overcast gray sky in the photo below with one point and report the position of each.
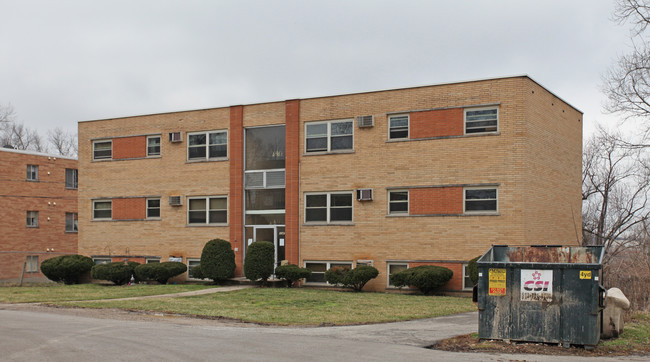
(67, 61)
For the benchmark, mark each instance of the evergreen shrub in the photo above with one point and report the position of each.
(67, 268)
(259, 261)
(160, 272)
(217, 261)
(427, 278)
(291, 273)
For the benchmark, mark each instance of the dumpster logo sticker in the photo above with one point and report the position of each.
(537, 285)
(497, 281)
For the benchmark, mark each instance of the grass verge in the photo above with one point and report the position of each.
(298, 306)
(60, 292)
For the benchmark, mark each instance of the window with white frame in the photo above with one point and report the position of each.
(395, 268)
(207, 145)
(31, 264)
(467, 281)
(191, 265)
(398, 202)
(71, 222)
(101, 260)
(153, 146)
(102, 209)
(398, 126)
(328, 207)
(480, 199)
(207, 210)
(32, 219)
(102, 150)
(32, 173)
(152, 260)
(153, 208)
(318, 269)
(330, 136)
(481, 120)
(71, 178)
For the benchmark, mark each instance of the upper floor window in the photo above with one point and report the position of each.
(102, 209)
(207, 210)
(32, 173)
(207, 145)
(329, 136)
(329, 207)
(32, 219)
(153, 208)
(398, 202)
(71, 222)
(153, 146)
(482, 199)
(398, 127)
(481, 120)
(102, 150)
(71, 178)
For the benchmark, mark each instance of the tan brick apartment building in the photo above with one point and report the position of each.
(38, 211)
(395, 178)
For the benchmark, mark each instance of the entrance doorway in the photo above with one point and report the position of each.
(271, 233)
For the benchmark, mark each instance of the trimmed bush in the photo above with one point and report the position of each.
(118, 272)
(291, 273)
(472, 270)
(427, 278)
(259, 261)
(217, 261)
(67, 268)
(196, 272)
(160, 272)
(351, 278)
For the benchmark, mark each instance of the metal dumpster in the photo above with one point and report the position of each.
(546, 294)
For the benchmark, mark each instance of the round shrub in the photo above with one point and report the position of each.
(160, 272)
(66, 268)
(217, 261)
(291, 273)
(427, 278)
(196, 272)
(118, 272)
(259, 261)
(472, 270)
(351, 278)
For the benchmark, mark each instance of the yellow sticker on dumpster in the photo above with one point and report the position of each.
(497, 281)
(585, 274)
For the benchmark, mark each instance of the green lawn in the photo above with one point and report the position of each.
(60, 292)
(298, 306)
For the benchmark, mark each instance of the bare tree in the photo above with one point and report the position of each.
(20, 137)
(627, 83)
(615, 190)
(63, 142)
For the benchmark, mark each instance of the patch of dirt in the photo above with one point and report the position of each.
(469, 343)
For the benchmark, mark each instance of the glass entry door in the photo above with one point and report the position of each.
(271, 233)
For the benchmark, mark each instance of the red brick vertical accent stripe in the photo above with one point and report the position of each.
(292, 191)
(130, 209)
(436, 123)
(436, 201)
(129, 147)
(236, 212)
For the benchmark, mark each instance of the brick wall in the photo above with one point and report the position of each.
(48, 196)
(133, 208)
(532, 129)
(129, 147)
(437, 123)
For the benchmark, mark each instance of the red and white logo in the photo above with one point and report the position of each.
(537, 285)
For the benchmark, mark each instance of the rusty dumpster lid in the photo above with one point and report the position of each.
(543, 254)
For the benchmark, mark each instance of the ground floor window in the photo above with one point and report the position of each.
(191, 265)
(318, 269)
(395, 268)
(467, 282)
(101, 260)
(31, 264)
(152, 260)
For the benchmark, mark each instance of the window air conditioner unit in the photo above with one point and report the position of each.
(365, 121)
(175, 137)
(175, 201)
(364, 194)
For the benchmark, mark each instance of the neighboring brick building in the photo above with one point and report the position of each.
(38, 211)
(453, 169)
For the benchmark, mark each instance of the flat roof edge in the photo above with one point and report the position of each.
(36, 153)
(345, 94)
